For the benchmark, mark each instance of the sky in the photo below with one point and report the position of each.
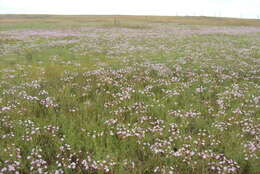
(220, 8)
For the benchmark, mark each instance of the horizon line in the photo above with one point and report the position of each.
(59, 14)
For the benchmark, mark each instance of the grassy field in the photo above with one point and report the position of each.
(129, 95)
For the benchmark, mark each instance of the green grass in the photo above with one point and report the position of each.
(129, 94)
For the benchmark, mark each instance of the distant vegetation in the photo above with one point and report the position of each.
(45, 21)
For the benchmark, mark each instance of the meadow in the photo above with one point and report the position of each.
(129, 95)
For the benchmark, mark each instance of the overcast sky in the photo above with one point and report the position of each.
(224, 8)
